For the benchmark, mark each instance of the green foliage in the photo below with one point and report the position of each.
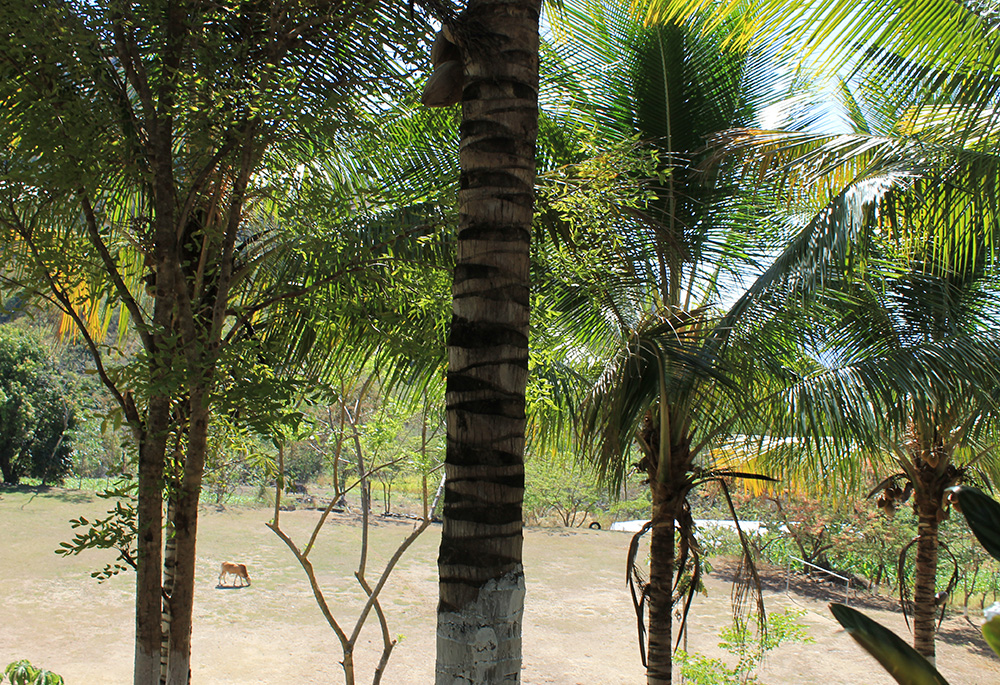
(584, 201)
(36, 419)
(634, 504)
(899, 659)
(980, 573)
(750, 646)
(983, 515)
(236, 457)
(116, 531)
(23, 673)
(388, 445)
(303, 463)
(699, 669)
(849, 537)
(558, 484)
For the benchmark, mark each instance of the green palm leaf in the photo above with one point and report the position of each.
(901, 661)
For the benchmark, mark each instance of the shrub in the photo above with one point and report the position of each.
(749, 646)
(36, 421)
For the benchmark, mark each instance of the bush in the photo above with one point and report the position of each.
(36, 421)
(749, 644)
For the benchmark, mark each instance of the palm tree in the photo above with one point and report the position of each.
(948, 440)
(673, 374)
(481, 577)
(909, 290)
(918, 167)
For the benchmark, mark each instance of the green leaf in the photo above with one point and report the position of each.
(991, 631)
(901, 661)
(983, 515)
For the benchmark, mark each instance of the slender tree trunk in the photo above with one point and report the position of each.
(481, 577)
(659, 653)
(169, 569)
(149, 544)
(925, 567)
(185, 532)
(153, 446)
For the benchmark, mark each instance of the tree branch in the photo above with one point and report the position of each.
(317, 592)
(129, 408)
(112, 269)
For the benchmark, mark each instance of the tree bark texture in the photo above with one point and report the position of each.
(659, 652)
(10, 477)
(928, 502)
(185, 531)
(153, 448)
(481, 577)
(149, 544)
(169, 570)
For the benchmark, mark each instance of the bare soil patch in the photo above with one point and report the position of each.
(579, 626)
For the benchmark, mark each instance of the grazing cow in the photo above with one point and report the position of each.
(230, 568)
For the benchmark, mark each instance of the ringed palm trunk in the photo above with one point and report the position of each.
(928, 493)
(659, 653)
(481, 577)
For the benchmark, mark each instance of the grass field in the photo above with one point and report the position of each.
(579, 626)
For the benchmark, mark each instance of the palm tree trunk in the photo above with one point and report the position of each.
(659, 653)
(481, 577)
(925, 567)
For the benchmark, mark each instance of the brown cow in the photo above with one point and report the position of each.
(230, 568)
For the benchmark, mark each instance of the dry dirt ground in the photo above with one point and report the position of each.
(579, 626)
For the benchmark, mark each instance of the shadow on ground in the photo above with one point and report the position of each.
(955, 630)
(48, 492)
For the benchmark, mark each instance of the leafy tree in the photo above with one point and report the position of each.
(385, 442)
(116, 531)
(36, 417)
(143, 148)
(559, 484)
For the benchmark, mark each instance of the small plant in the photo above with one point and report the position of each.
(116, 531)
(23, 673)
(750, 647)
(698, 669)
